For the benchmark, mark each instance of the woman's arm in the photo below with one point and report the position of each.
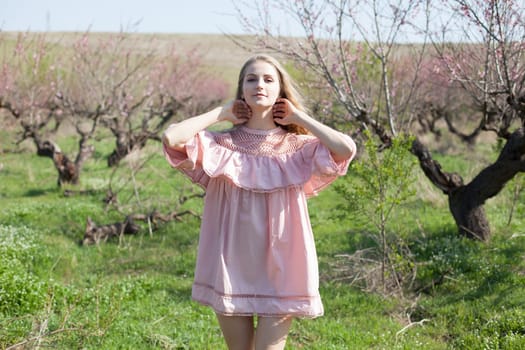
(341, 146)
(176, 135)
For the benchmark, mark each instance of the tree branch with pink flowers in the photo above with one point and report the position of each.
(400, 67)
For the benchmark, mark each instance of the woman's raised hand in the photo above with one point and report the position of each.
(284, 112)
(242, 110)
(236, 112)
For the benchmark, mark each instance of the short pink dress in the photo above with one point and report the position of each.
(256, 252)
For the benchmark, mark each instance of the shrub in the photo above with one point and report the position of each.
(384, 180)
(21, 291)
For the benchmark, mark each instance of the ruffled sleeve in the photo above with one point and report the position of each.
(189, 161)
(310, 166)
(323, 168)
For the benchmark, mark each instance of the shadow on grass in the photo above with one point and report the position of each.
(179, 293)
(500, 283)
(482, 275)
(38, 192)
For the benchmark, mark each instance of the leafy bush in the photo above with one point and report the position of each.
(21, 291)
(384, 181)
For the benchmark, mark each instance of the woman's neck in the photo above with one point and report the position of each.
(261, 120)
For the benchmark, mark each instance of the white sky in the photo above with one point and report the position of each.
(159, 16)
(145, 16)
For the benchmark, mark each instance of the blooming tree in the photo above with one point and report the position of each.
(486, 62)
(133, 88)
(378, 80)
(122, 83)
(29, 82)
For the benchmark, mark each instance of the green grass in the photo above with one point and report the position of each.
(135, 293)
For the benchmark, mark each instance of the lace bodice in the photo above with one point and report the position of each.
(261, 142)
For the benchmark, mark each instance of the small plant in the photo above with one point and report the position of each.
(384, 182)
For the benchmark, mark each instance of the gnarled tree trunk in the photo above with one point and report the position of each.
(68, 170)
(466, 201)
(125, 144)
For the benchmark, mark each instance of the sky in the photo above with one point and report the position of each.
(144, 16)
(147, 16)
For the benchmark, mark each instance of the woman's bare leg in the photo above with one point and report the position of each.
(271, 332)
(238, 331)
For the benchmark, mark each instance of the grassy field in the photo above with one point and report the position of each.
(134, 293)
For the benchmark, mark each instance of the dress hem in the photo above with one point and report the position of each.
(260, 305)
(260, 314)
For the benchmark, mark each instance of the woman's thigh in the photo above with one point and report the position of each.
(271, 332)
(238, 331)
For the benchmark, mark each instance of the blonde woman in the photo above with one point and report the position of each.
(257, 264)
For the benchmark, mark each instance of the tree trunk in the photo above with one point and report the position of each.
(68, 171)
(122, 149)
(85, 151)
(100, 233)
(469, 214)
(126, 143)
(466, 201)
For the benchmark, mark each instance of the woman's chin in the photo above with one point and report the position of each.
(260, 106)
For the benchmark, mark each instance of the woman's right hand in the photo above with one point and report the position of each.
(236, 112)
(176, 135)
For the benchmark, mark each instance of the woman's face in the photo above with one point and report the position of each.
(261, 85)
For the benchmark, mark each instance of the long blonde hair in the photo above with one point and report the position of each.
(288, 87)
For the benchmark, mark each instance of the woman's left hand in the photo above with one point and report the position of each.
(284, 112)
(241, 110)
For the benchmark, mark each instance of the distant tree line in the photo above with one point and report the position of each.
(117, 84)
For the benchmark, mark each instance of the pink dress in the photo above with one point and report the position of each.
(256, 252)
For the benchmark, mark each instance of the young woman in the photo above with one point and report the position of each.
(256, 256)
